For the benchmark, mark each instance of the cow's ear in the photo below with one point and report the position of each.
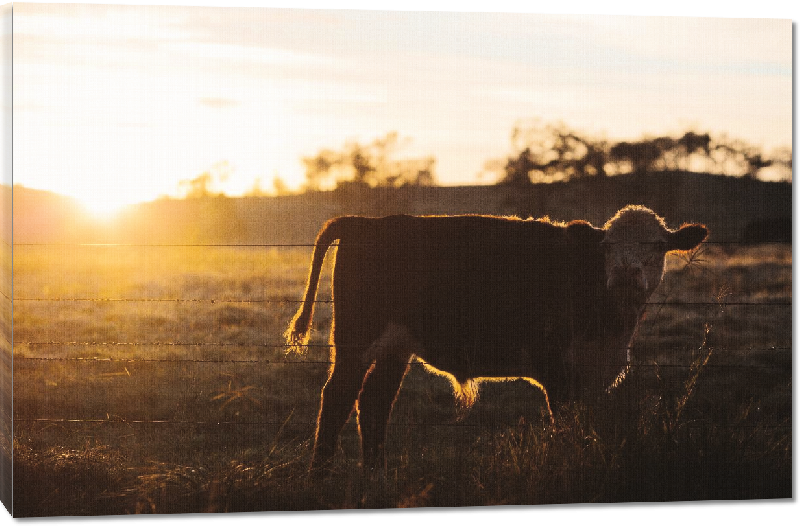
(686, 237)
(585, 232)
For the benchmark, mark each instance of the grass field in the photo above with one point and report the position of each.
(153, 379)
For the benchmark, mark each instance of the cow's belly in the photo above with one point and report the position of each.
(495, 362)
(479, 358)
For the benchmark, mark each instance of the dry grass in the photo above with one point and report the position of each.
(222, 422)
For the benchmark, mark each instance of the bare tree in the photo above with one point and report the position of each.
(369, 165)
(640, 156)
(755, 162)
(318, 168)
(203, 185)
(549, 152)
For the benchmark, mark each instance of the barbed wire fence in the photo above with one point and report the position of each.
(286, 358)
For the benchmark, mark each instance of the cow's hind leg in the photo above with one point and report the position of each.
(338, 398)
(374, 406)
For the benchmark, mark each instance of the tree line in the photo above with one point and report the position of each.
(540, 153)
(548, 152)
(552, 152)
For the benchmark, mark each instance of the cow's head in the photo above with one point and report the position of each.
(635, 243)
(628, 256)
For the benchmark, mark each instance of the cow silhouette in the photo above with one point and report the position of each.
(479, 298)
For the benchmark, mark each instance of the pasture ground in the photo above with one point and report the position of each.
(153, 379)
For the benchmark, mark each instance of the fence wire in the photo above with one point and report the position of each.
(284, 300)
(212, 423)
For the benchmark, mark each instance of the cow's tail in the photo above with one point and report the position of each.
(300, 327)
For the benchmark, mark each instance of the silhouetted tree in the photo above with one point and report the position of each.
(550, 152)
(197, 187)
(362, 165)
(518, 169)
(736, 157)
(660, 153)
(641, 156)
(369, 165)
(279, 186)
(595, 160)
(783, 156)
(202, 185)
(256, 190)
(318, 168)
(782, 163)
(411, 172)
(755, 162)
(726, 156)
(693, 142)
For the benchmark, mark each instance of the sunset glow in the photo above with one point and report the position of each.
(119, 104)
(104, 206)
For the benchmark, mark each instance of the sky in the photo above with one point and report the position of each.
(117, 104)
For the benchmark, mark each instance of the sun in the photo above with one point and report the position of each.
(104, 206)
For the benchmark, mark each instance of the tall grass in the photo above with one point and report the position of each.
(705, 413)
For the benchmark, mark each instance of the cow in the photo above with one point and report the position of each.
(478, 298)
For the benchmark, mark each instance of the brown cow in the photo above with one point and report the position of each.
(479, 297)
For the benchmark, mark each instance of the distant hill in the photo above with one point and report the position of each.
(5, 206)
(735, 209)
(47, 217)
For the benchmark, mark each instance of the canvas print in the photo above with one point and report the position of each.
(297, 259)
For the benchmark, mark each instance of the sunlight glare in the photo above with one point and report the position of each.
(104, 197)
(104, 206)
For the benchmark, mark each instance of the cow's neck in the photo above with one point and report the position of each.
(599, 349)
(617, 319)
